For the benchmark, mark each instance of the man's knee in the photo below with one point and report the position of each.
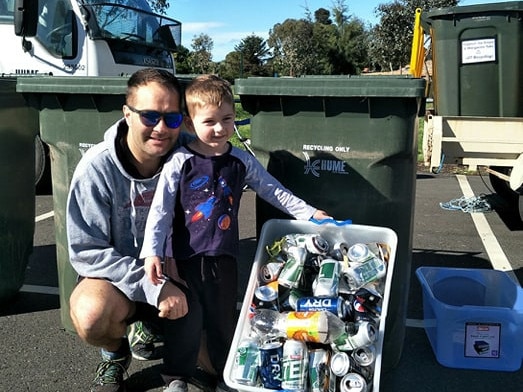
(95, 307)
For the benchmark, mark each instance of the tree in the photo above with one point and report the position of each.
(292, 45)
(253, 52)
(391, 39)
(159, 6)
(201, 57)
(182, 60)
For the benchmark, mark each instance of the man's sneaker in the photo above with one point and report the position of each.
(222, 387)
(110, 373)
(142, 340)
(177, 386)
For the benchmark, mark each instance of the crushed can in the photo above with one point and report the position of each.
(366, 335)
(319, 370)
(290, 274)
(364, 267)
(269, 272)
(327, 281)
(266, 297)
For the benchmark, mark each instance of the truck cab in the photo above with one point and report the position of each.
(84, 37)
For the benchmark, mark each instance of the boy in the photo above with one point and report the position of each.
(197, 200)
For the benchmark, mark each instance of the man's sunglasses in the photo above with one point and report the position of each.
(151, 118)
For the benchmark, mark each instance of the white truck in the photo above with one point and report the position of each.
(83, 38)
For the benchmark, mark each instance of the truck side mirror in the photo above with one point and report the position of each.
(26, 18)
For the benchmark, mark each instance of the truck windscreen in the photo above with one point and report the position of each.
(132, 20)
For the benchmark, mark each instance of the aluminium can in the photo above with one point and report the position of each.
(290, 274)
(328, 279)
(269, 272)
(246, 362)
(365, 356)
(353, 382)
(366, 335)
(294, 364)
(266, 297)
(313, 243)
(335, 305)
(319, 370)
(271, 373)
(342, 363)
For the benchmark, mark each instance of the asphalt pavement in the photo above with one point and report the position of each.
(37, 354)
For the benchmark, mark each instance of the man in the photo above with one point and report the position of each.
(108, 203)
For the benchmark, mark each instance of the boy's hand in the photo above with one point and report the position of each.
(153, 269)
(320, 215)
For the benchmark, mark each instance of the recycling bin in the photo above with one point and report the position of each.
(74, 113)
(477, 57)
(18, 129)
(347, 145)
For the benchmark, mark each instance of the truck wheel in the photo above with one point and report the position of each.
(502, 187)
(39, 159)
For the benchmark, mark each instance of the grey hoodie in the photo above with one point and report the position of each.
(106, 214)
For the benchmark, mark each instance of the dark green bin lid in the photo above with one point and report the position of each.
(333, 86)
(470, 11)
(72, 85)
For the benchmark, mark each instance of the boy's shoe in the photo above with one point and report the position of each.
(110, 373)
(222, 387)
(142, 340)
(177, 386)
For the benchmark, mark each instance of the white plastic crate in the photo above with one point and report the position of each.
(273, 230)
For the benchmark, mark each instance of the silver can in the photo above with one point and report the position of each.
(292, 270)
(340, 364)
(365, 356)
(366, 335)
(266, 297)
(328, 279)
(269, 272)
(358, 253)
(294, 365)
(353, 382)
(246, 362)
(313, 243)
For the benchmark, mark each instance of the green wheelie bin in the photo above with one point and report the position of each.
(347, 145)
(18, 129)
(477, 57)
(74, 113)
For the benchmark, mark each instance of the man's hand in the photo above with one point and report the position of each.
(172, 302)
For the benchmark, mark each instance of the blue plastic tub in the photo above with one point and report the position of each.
(473, 317)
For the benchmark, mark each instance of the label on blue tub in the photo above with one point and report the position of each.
(482, 340)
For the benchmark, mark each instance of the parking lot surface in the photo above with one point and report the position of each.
(39, 355)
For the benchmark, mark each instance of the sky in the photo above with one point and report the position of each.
(227, 22)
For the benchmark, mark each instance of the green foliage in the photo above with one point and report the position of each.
(159, 6)
(391, 39)
(326, 42)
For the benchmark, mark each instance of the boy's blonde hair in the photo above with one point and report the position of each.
(208, 90)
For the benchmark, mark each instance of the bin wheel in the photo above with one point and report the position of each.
(502, 187)
(39, 159)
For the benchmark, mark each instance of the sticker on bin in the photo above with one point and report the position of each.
(316, 294)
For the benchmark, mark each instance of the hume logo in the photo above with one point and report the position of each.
(316, 166)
